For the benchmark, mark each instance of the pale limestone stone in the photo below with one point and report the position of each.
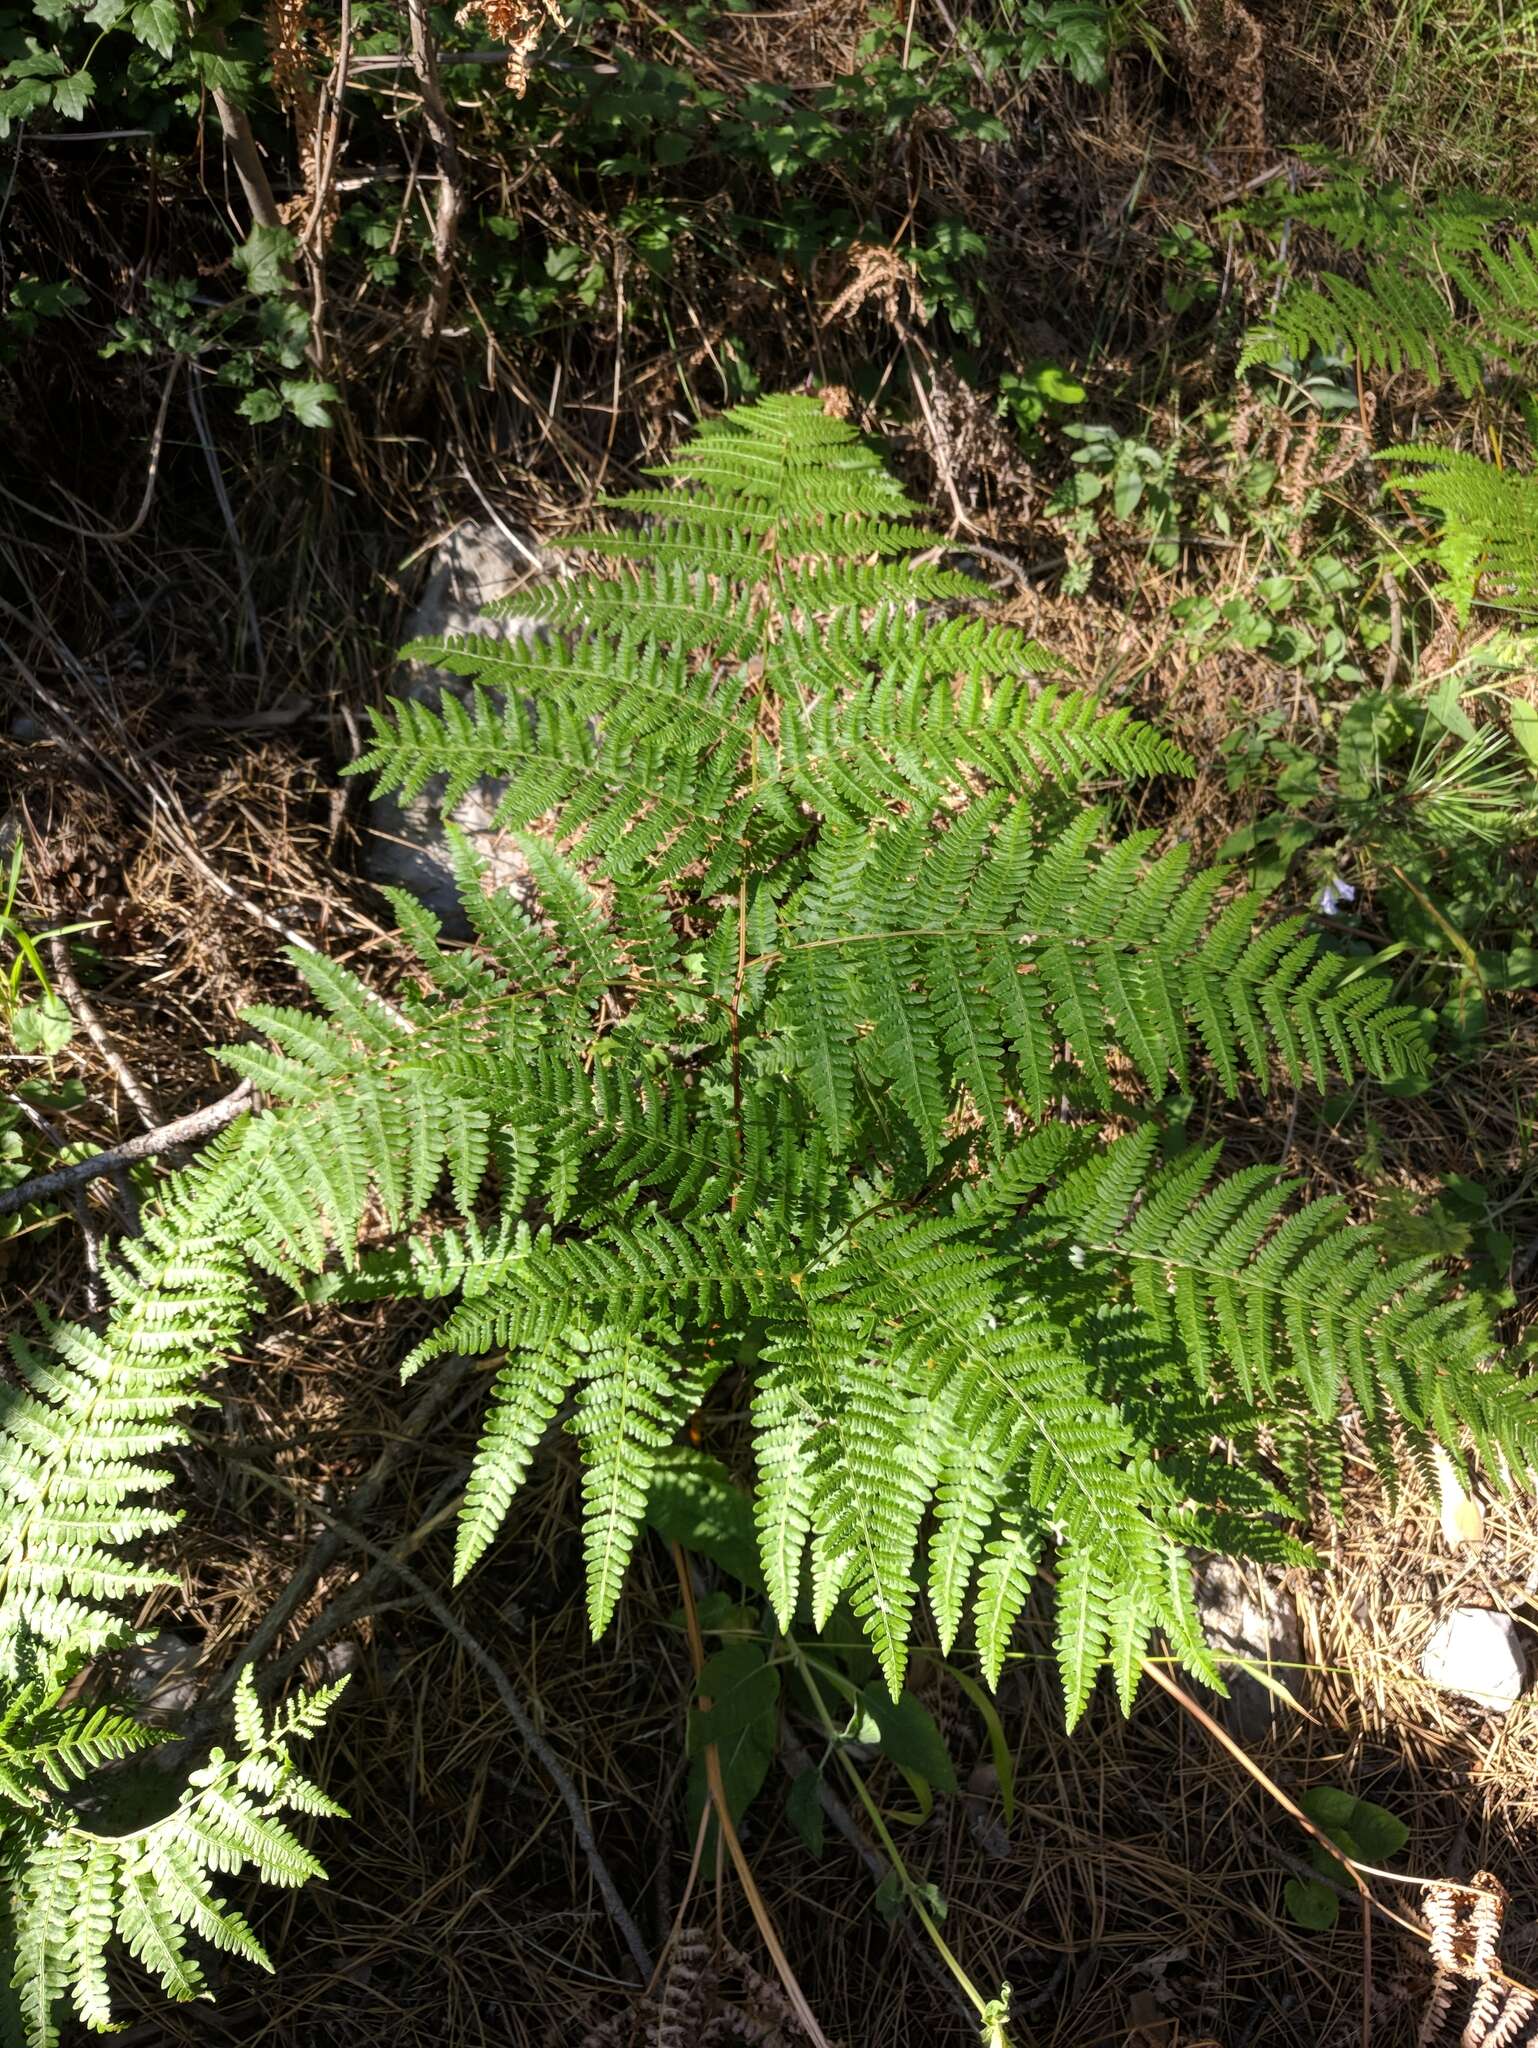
(408, 848)
(1245, 1614)
(1477, 1654)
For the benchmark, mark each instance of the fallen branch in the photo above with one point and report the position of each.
(198, 1123)
(435, 114)
(139, 1093)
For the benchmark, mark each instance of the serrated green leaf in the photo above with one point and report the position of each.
(157, 23)
(307, 398)
(72, 95)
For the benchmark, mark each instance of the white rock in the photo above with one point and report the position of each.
(408, 849)
(1246, 1615)
(161, 1674)
(1477, 1654)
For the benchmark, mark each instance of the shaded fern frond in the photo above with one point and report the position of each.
(72, 1892)
(1488, 546)
(1392, 320)
(1442, 307)
(1290, 1307)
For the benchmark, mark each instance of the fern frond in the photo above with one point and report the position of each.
(1488, 548)
(1452, 287)
(75, 1890)
(1278, 1301)
(525, 1397)
(1393, 320)
(634, 1400)
(879, 961)
(759, 1070)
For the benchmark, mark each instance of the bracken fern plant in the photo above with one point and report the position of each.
(823, 1057)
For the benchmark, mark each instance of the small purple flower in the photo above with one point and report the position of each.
(1335, 895)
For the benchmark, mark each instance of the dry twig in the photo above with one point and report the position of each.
(517, 1713)
(424, 58)
(183, 1130)
(151, 1115)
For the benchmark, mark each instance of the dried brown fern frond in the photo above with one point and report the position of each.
(708, 1995)
(1464, 1924)
(518, 23)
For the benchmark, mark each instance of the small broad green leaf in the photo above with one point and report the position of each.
(1378, 1833)
(156, 22)
(262, 260)
(693, 1500)
(43, 1027)
(1311, 1904)
(214, 67)
(1328, 1807)
(38, 63)
(260, 407)
(892, 1895)
(1524, 727)
(1358, 1828)
(741, 1721)
(72, 95)
(718, 1614)
(803, 1809)
(1056, 384)
(743, 1691)
(1347, 1844)
(21, 99)
(46, 300)
(906, 1732)
(1446, 706)
(307, 399)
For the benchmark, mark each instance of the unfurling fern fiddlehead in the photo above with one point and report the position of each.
(798, 1073)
